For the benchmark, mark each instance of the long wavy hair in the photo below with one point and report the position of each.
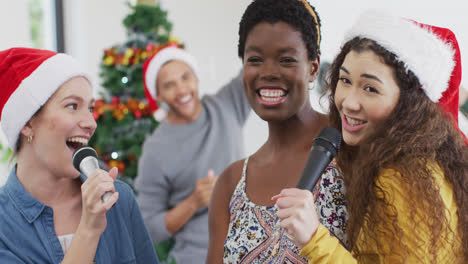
(415, 135)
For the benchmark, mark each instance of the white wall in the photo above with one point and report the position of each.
(14, 21)
(209, 30)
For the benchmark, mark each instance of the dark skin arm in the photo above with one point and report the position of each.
(219, 211)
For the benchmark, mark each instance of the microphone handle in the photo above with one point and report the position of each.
(87, 166)
(317, 162)
(105, 197)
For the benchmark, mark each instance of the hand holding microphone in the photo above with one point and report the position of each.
(296, 206)
(97, 192)
(85, 160)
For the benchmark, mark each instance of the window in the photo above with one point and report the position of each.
(46, 24)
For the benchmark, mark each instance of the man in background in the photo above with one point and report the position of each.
(180, 160)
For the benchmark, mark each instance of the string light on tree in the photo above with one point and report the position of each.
(122, 113)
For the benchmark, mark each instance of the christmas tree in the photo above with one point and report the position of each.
(123, 116)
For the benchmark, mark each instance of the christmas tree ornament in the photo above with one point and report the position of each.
(123, 114)
(147, 2)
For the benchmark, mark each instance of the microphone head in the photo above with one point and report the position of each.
(81, 153)
(330, 139)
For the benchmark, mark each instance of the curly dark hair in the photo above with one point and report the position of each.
(416, 134)
(292, 12)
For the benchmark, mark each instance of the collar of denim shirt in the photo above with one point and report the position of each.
(24, 202)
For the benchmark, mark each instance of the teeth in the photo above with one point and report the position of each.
(185, 99)
(272, 92)
(354, 122)
(82, 141)
(271, 99)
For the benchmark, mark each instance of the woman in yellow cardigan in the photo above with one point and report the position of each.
(394, 96)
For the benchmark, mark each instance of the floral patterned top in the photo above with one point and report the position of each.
(254, 234)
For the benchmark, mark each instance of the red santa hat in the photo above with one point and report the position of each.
(152, 66)
(430, 52)
(28, 78)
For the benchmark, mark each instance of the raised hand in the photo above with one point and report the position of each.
(203, 189)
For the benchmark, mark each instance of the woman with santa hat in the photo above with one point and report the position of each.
(49, 212)
(394, 97)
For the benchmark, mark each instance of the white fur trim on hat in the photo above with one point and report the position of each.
(34, 91)
(161, 58)
(422, 52)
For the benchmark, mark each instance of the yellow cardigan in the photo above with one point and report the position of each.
(324, 248)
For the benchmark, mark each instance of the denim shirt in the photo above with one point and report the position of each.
(27, 233)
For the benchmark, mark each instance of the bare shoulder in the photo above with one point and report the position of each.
(229, 178)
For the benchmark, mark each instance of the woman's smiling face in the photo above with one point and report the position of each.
(365, 96)
(277, 70)
(64, 123)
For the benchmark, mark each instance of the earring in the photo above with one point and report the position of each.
(312, 86)
(30, 138)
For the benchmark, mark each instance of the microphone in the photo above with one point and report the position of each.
(85, 160)
(324, 149)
